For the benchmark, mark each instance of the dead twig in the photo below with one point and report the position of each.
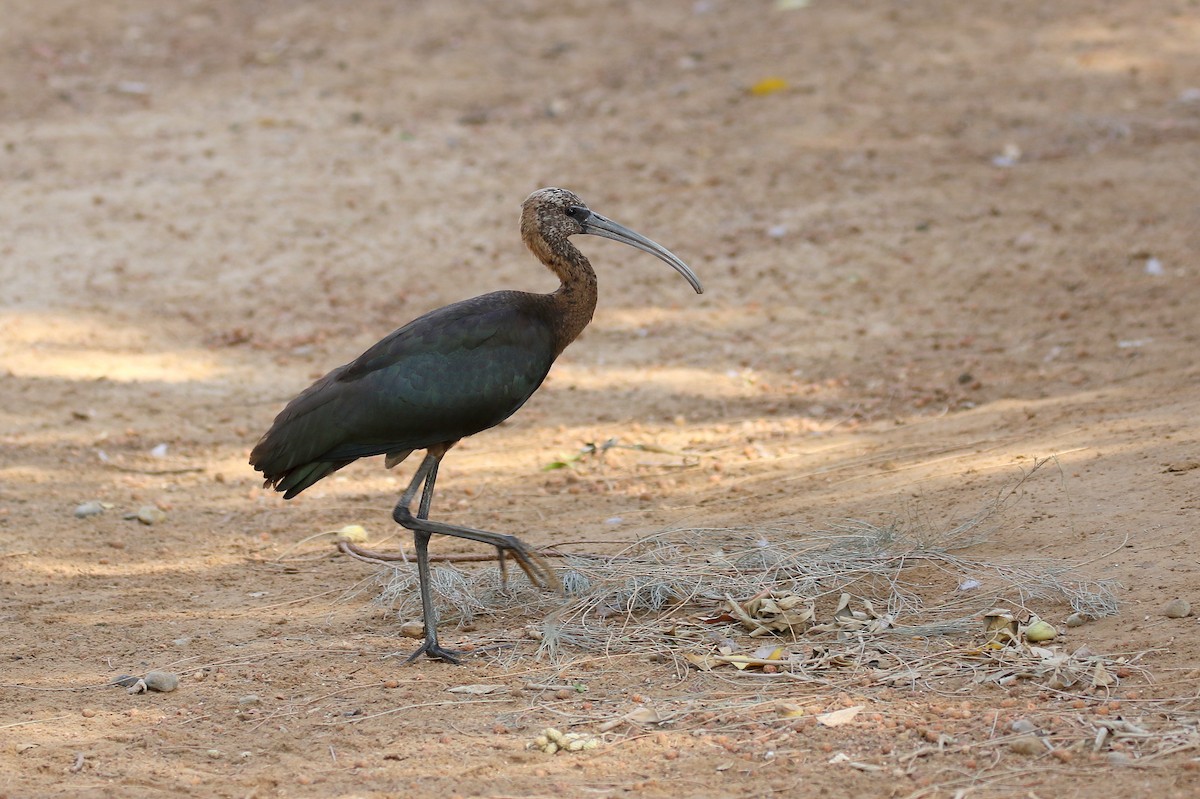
(372, 556)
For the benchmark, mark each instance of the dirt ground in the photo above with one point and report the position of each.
(940, 241)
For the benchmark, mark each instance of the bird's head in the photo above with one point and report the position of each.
(550, 216)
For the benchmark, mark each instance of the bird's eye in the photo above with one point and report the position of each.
(577, 212)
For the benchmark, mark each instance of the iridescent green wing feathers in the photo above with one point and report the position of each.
(446, 375)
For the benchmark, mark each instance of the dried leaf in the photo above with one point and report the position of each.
(767, 614)
(787, 710)
(837, 718)
(1000, 628)
(474, 689)
(643, 715)
(843, 608)
(768, 86)
(1100, 676)
(720, 617)
(705, 662)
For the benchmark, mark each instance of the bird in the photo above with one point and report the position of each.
(449, 374)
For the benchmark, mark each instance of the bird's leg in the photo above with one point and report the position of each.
(536, 568)
(426, 474)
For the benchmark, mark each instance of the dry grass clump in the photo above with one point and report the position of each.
(908, 580)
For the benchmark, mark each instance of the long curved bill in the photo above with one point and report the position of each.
(600, 226)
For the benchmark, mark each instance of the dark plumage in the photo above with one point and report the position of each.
(446, 375)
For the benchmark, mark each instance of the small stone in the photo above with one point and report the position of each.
(149, 514)
(249, 699)
(87, 509)
(413, 629)
(1027, 745)
(1023, 726)
(162, 681)
(1039, 631)
(1075, 620)
(1177, 609)
(215, 754)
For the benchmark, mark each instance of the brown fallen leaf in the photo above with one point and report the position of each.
(768, 614)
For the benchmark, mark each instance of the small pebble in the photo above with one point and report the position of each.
(87, 509)
(149, 514)
(412, 629)
(163, 681)
(1027, 745)
(249, 699)
(1177, 609)
(1023, 726)
(1040, 631)
(1075, 620)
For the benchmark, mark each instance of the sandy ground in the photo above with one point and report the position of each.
(957, 239)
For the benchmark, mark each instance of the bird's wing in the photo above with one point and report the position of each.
(446, 375)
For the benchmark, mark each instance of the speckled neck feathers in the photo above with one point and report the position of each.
(575, 300)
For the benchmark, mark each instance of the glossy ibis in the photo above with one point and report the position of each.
(444, 376)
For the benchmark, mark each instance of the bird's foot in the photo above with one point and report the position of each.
(434, 650)
(534, 565)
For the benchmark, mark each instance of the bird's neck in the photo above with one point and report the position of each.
(575, 299)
